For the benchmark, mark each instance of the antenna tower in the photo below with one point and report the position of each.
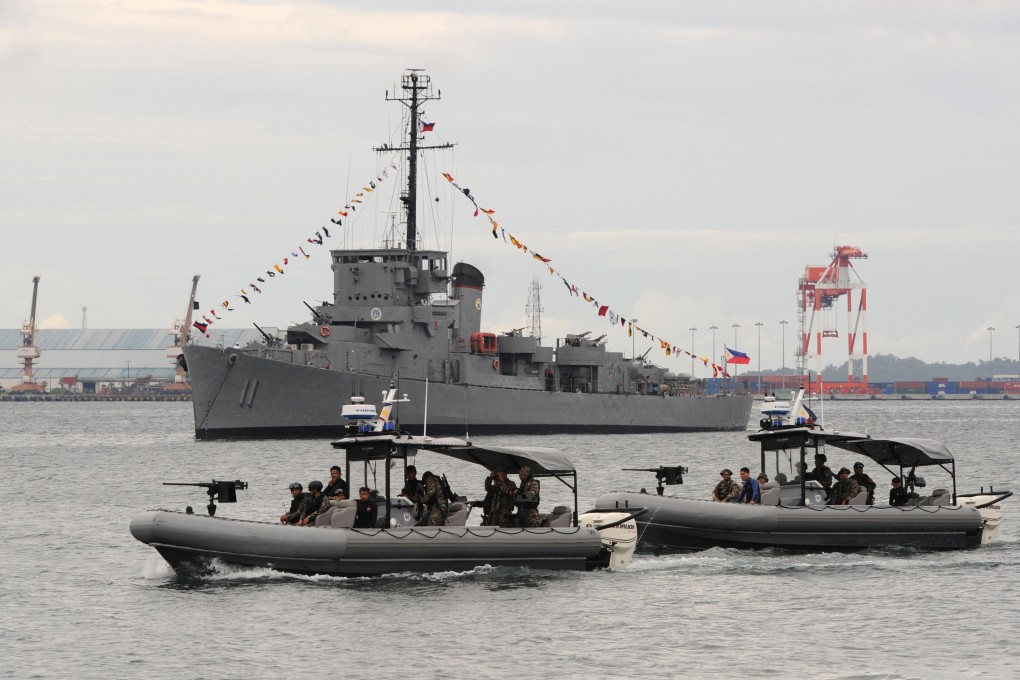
(84, 321)
(534, 309)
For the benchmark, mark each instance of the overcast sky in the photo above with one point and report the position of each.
(679, 161)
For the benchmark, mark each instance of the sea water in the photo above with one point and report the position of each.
(80, 597)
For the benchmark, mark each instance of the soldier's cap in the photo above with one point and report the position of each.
(726, 471)
(842, 470)
(858, 464)
(315, 485)
(296, 485)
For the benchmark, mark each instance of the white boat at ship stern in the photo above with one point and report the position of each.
(618, 531)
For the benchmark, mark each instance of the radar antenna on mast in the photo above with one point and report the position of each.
(417, 89)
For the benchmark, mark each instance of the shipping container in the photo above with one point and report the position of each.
(902, 385)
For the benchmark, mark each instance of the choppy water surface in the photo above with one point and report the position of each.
(81, 598)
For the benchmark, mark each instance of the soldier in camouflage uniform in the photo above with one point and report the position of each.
(727, 490)
(499, 496)
(864, 480)
(314, 500)
(434, 500)
(297, 505)
(822, 473)
(844, 489)
(527, 499)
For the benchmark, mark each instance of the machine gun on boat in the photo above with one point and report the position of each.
(664, 475)
(224, 492)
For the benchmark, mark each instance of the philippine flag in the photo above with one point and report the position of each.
(736, 357)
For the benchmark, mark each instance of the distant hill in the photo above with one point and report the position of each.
(889, 368)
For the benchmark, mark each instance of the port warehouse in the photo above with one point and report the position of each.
(86, 360)
(781, 385)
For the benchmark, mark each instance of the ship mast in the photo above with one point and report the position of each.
(417, 87)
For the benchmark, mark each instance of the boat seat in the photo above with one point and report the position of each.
(937, 497)
(559, 517)
(456, 515)
(861, 498)
(344, 514)
(770, 493)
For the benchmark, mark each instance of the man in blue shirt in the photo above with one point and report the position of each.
(749, 492)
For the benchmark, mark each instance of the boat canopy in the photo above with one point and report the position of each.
(543, 461)
(905, 452)
(784, 439)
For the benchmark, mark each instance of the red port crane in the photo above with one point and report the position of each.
(817, 290)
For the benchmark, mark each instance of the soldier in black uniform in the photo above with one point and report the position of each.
(297, 505)
(897, 494)
(365, 519)
(336, 485)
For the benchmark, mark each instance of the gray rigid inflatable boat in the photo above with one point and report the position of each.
(683, 524)
(565, 540)
(795, 515)
(189, 541)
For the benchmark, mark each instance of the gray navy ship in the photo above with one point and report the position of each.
(402, 314)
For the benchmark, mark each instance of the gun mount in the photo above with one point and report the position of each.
(664, 474)
(224, 492)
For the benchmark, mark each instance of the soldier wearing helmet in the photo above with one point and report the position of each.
(297, 505)
(313, 503)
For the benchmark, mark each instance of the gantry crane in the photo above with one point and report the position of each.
(817, 290)
(181, 332)
(28, 351)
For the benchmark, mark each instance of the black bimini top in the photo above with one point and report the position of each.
(543, 461)
(905, 451)
(784, 439)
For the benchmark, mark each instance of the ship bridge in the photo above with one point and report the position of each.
(387, 276)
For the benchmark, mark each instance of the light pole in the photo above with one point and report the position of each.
(1018, 350)
(129, 370)
(692, 329)
(735, 343)
(633, 354)
(783, 324)
(713, 329)
(991, 330)
(759, 324)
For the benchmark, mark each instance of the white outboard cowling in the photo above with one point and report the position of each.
(619, 540)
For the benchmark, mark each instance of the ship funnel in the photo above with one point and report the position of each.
(468, 283)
